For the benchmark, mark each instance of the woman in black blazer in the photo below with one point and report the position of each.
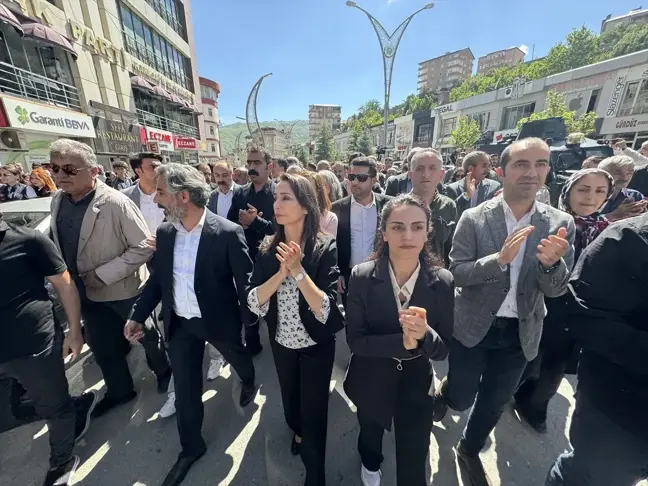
(400, 314)
(296, 291)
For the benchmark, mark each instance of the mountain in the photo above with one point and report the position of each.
(228, 133)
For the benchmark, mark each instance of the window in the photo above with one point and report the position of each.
(210, 112)
(448, 126)
(482, 119)
(424, 132)
(169, 10)
(635, 101)
(628, 99)
(213, 147)
(211, 130)
(591, 106)
(513, 114)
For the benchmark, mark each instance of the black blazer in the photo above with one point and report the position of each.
(342, 210)
(396, 185)
(320, 263)
(223, 268)
(375, 337)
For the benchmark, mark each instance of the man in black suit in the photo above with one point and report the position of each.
(358, 218)
(475, 188)
(253, 208)
(200, 274)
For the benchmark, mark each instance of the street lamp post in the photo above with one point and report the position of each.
(389, 46)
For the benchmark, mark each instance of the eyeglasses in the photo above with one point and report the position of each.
(68, 169)
(360, 177)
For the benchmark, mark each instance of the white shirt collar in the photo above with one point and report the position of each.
(143, 193)
(508, 212)
(373, 201)
(408, 288)
(231, 188)
(178, 226)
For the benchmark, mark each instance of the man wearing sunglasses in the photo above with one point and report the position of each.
(358, 216)
(100, 233)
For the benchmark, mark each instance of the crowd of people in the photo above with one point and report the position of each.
(415, 262)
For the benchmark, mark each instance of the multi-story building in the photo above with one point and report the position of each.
(320, 116)
(506, 57)
(636, 16)
(274, 140)
(119, 75)
(209, 91)
(445, 72)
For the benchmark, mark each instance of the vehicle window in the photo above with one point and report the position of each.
(28, 220)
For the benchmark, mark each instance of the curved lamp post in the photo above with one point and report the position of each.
(388, 46)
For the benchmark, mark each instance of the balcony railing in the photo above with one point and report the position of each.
(161, 123)
(32, 86)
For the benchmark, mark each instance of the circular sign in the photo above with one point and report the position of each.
(388, 51)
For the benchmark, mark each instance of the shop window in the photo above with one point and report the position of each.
(513, 114)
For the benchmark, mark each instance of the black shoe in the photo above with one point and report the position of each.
(84, 405)
(108, 403)
(163, 382)
(534, 419)
(254, 346)
(248, 390)
(294, 446)
(472, 466)
(180, 469)
(62, 476)
(440, 407)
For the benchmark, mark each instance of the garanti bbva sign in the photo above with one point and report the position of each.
(34, 117)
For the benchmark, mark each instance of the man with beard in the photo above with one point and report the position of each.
(253, 208)
(475, 188)
(100, 234)
(200, 278)
(507, 255)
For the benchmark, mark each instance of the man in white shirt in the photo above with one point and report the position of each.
(142, 193)
(221, 199)
(640, 158)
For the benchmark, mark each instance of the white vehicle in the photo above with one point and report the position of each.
(31, 213)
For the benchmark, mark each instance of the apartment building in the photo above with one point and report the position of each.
(211, 149)
(274, 140)
(445, 72)
(323, 115)
(506, 57)
(119, 75)
(635, 16)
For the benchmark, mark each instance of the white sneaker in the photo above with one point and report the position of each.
(370, 478)
(168, 409)
(215, 367)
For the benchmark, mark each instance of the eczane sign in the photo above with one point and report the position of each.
(34, 117)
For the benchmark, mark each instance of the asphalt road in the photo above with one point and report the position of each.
(132, 446)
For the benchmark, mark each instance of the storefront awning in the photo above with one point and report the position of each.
(48, 35)
(162, 93)
(140, 82)
(8, 17)
(176, 99)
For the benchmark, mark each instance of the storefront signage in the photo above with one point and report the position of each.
(441, 110)
(185, 143)
(623, 124)
(99, 45)
(503, 134)
(39, 9)
(163, 138)
(615, 99)
(583, 84)
(33, 117)
(115, 137)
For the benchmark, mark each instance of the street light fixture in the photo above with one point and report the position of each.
(389, 46)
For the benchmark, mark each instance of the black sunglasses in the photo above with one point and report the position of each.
(360, 177)
(67, 169)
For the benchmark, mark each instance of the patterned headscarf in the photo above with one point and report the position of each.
(587, 227)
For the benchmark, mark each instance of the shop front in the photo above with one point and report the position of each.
(118, 134)
(633, 129)
(27, 129)
(186, 149)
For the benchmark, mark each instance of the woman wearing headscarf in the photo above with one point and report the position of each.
(582, 196)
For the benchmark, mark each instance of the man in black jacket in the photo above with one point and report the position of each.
(200, 274)
(253, 208)
(609, 428)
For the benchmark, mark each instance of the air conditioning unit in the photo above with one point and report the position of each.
(508, 92)
(12, 140)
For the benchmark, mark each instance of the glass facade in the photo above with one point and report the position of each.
(148, 46)
(448, 126)
(513, 114)
(209, 93)
(170, 11)
(635, 101)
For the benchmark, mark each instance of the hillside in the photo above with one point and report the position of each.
(228, 133)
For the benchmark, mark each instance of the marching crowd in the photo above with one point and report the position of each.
(415, 262)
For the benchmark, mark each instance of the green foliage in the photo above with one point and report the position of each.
(228, 133)
(555, 107)
(425, 100)
(364, 144)
(466, 133)
(324, 145)
(580, 48)
(302, 154)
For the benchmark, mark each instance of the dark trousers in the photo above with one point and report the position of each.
(412, 427)
(604, 453)
(490, 372)
(304, 379)
(104, 331)
(43, 377)
(186, 350)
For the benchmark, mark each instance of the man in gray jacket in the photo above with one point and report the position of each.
(507, 255)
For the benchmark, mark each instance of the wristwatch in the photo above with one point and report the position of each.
(300, 276)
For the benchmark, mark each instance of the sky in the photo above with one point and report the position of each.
(323, 52)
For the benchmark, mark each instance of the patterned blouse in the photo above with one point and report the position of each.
(291, 332)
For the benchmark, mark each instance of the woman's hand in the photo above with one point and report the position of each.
(290, 256)
(414, 322)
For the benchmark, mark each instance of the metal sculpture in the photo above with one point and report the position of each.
(389, 46)
(251, 113)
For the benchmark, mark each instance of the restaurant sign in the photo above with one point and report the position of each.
(115, 137)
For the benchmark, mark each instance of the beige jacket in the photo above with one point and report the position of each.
(111, 233)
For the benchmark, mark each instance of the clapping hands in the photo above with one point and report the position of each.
(414, 323)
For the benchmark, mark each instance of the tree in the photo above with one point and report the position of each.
(364, 144)
(466, 133)
(302, 154)
(622, 40)
(324, 145)
(579, 49)
(555, 107)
